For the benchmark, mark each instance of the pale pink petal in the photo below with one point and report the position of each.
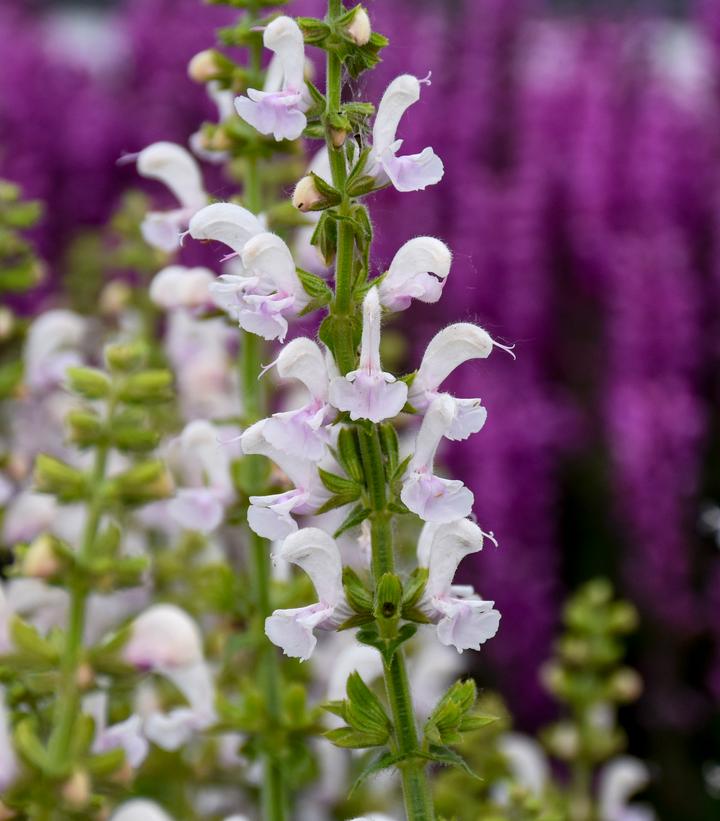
(373, 396)
(270, 516)
(413, 172)
(292, 630)
(470, 417)
(466, 623)
(198, 509)
(435, 499)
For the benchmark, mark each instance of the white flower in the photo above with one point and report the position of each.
(270, 292)
(303, 432)
(369, 392)
(126, 735)
(463, 619)
(140, 810)
(52, 346)
(446, 351)
(414, 171)
(174, 166)
(272, 516)
(619, 780)
(293, 630)
(280, 111)
(226, 222)
(166, 641)
(9, 767)
(28, 515)
(177, 286)
(526, 760)
(418, 271)
(433, 498)
(204, 468)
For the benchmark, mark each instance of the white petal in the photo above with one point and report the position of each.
(174, 166)
(317, 554)
(447, 350)
(162, 229)
(171, 730)
(225, 222)
(451, 542)
(267, 257)
(470, 417)
(126, 735)
(417, 271)
(179, 287)
(163, 637)
(283, 36)
(412, 172)
(402, 92)
(369, 395)
(435, 499)
(467, 623)
(303, 360)
(292, 630)
(270, 516)
(357, 658)
(527, 761)
(436, 423)
(197, 509)
(140, 810)
(619, 780)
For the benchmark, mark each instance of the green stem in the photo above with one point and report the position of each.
(67, 705)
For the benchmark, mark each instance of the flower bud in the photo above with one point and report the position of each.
(359, 30)
(306, 194)
(338, 137)
(626, 685)
(203, 67)
(76, 790)
(563, 741)
(115, 297)
(41, 561)
(7, 323)
(85, 676)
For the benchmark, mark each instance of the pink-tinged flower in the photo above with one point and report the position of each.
(269, 292)
(140, 810)
(177, 287)
(272, 516)
(434, 499)
(418, 271)
(413, 172)
(174, 166)
(279, 109)
(228, 223)
(293, 630)
(303, 432)
(203, 467)
(463, 619)
(9, 767)
(369, 392)
(166, 641)
(126, 735)
(447, 350)
(53, 344)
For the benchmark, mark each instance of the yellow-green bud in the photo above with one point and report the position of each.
(626, 685)
(115, 297)
(76, 790)
(203, 67)
(40, 560)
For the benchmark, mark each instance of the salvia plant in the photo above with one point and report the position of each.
(183, 435)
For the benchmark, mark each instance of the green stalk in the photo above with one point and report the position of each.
(274, 791)
(416, 789)
(67, 705)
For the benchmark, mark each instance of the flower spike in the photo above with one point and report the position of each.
(293, 630)
(434, 499)
(174, 166)
(279, 111)
(463, 619)
(369, 392)
(413, 172)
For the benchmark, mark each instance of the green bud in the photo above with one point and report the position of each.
(147, 387)
(143, 483)
(623, 617)
(41, 560)
(388, 597)
(125, 358)
(89, 383)
(625, 685)
(348, 449)
(356, 593)
(59, 479)
(85, 428)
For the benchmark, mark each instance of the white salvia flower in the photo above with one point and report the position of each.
(433, 498)
(280, 111)
(619, 780)
(177, 287)
(418, 271)
(9, 767)
(272, 516)
(126, 735)
(206, 487)
(174, 166)
(293, 630)
(369, 392)
(262, 300)
(303, 432)
(446, 351)
(228, 223)
(166, 641)
(413, 172)
(140, 810)
(357, 658)
(463, 620)
(27, 516)
(527, 761)
(51, 347)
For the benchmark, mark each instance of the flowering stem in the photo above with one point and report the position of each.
(274, 794)
(68, 702)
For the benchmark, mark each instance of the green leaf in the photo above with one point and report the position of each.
(107, 763)
(399, 471)
(331, 196)
(390, 446)
(476, 722)
(348, 454)
(338, 484)
(355, 518)
(348, 738)
(147, 387)
(358, 620)
(337, 708)
(363, 708)
(415, 587)
(315, 287)
(448, 757)
(89, 383)
(30, 747)
(25, 637)
(356, 593)
(339, 500)
(383, 762)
